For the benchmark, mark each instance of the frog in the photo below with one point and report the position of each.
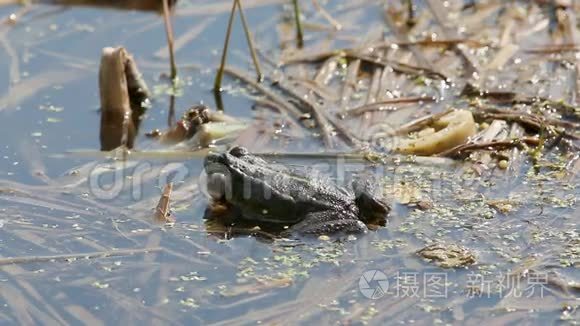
(448, 255)
(303, 203)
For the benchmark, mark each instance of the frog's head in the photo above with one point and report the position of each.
(225, 170)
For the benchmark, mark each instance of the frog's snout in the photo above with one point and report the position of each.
(216, 185)
(217, 176)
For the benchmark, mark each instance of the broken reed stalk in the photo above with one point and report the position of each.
(410, 14)
(123, 93)
(217, 85)
(171, 111)
(169, 33)
(250, 42)
(162, 211)
(299, 33)
(219, 76)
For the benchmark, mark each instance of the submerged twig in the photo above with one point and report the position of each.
(399, 67)
(490, 146)
(337, 26)
(531, 121)
(355, 54)
(302, 57)
(319, 89)
(279, 100)
(555, 48)
(379, 106)
(313, 108)
(14, 72)
(504, 97)
(69, 257)
(229, 232)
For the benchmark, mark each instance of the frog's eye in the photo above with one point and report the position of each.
(216, 185)
(238, 151)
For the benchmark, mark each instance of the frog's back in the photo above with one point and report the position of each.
(312, 191)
